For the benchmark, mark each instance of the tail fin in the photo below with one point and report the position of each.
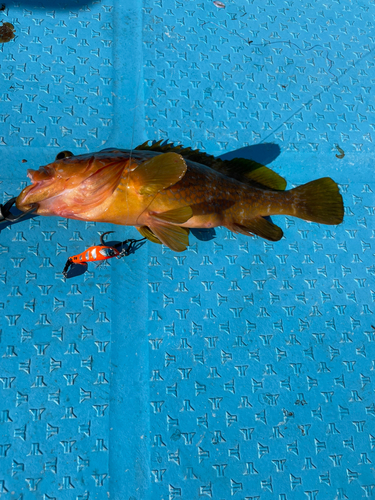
(318, 201)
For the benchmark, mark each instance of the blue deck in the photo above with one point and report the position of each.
(240, 368)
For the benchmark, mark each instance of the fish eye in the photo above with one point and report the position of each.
(63, 154)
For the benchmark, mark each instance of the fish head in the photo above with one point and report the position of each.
(72, 185)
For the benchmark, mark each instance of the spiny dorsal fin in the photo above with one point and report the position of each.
(241, 169)
(187, 153)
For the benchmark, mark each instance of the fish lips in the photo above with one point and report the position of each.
(44, 173)
(41, 189)
(25, 200)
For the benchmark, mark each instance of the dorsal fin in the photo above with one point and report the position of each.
(187, 153)
(258, 173)
(241, 169)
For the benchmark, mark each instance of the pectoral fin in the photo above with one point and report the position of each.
(159, 173)
(261, 227)
(163, 228)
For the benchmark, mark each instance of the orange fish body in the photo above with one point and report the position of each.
(164, 194)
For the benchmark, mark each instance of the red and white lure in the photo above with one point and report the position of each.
(101, 252)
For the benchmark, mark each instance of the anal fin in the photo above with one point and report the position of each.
(259, 226)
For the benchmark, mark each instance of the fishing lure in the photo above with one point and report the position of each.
(102, 252)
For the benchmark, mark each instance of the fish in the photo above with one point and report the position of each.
(164, 190)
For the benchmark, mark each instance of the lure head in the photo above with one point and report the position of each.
(72, 185)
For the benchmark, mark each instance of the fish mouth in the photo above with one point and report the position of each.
(42, 174)
(38, 191)
(25, 199)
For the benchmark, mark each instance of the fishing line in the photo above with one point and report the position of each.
(135, 108)
(311, 100)
(289, 42)
(336, 78)
(266, 43)
(132, 139)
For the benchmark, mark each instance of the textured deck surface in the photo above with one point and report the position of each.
(240, 368)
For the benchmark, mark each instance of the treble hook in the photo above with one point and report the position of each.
(127, 245)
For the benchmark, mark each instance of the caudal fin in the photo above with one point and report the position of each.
(318, 201)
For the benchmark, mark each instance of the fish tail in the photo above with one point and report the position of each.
(318, 201)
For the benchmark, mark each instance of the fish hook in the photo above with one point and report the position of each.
(127, 245)
(6, 214)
